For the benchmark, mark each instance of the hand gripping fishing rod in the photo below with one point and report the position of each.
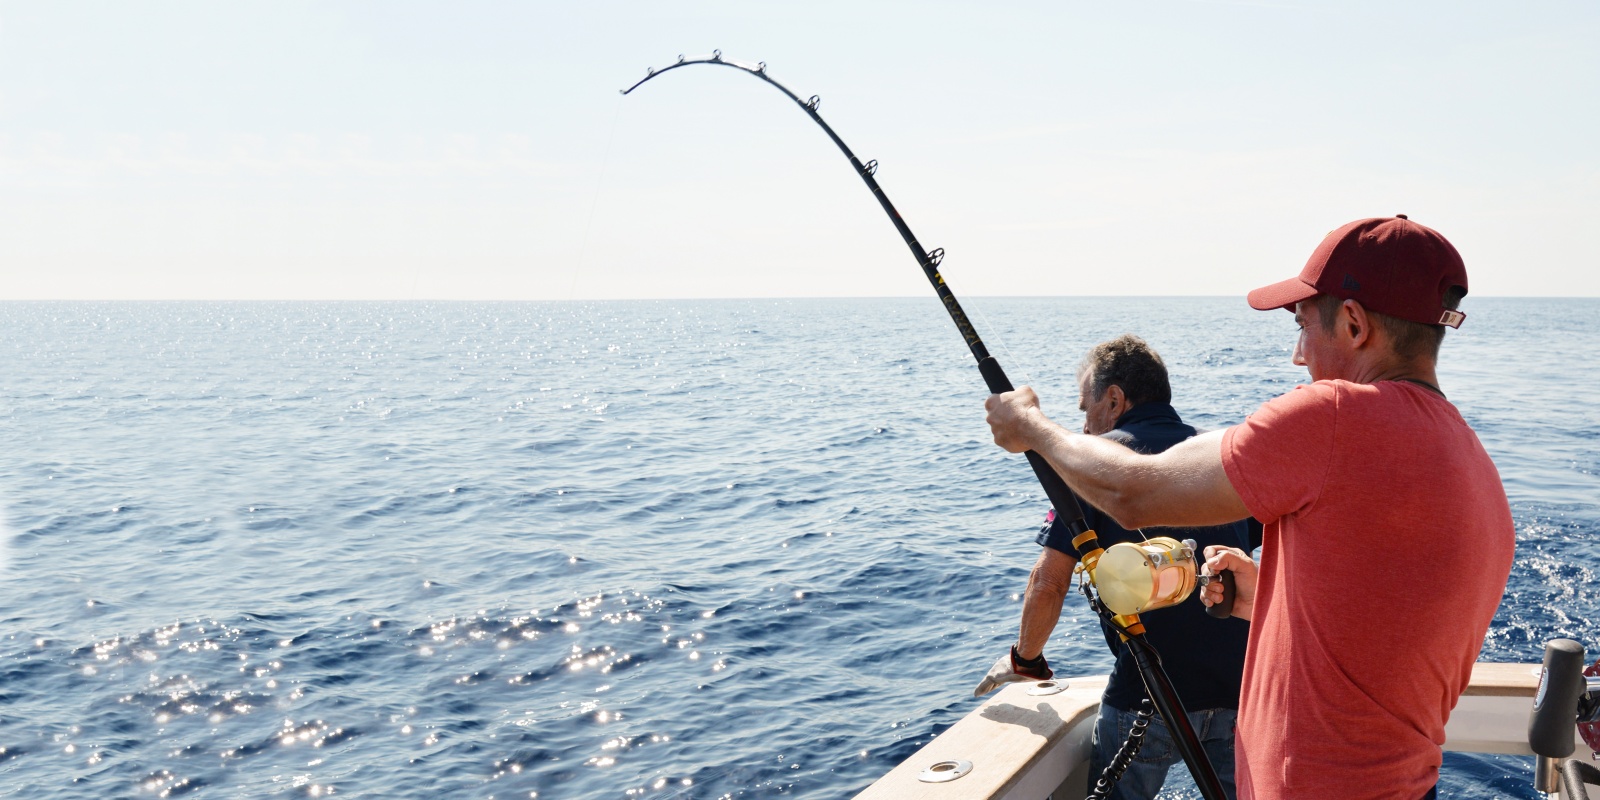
(1066, 503)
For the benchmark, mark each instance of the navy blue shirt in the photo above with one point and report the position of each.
(1203, 655)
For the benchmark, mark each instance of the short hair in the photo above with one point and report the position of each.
(1131, 363)
(1409, 340)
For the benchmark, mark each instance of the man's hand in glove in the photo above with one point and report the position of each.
(1010, 668)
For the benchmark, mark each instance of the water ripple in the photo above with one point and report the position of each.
(602, 550)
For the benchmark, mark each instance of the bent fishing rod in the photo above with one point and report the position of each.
(1066, 503)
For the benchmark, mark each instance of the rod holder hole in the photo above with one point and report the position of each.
(944, 771)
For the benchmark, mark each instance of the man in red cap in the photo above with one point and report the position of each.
(1388, 538)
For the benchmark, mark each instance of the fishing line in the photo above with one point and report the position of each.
(1068, 511)
(1027, 380)
(588, 227)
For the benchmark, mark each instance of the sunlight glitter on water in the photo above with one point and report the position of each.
(785, 544)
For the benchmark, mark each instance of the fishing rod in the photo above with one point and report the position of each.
(1065, 502)
(1068, 511)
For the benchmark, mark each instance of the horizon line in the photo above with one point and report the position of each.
(683, 299)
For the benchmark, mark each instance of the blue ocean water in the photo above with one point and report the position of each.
(693, 549)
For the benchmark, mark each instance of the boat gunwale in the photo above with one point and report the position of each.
(1029, 746)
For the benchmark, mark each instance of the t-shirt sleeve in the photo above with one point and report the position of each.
(1055, 534)
(1278, 458)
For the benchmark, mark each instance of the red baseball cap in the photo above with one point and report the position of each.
(1391, 265)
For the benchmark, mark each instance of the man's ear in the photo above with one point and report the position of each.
(1119, 398)
(1355, 322)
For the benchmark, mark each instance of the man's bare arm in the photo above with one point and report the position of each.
(1186, 485)
(1048, 585)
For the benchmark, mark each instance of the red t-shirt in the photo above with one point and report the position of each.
(1387, 547)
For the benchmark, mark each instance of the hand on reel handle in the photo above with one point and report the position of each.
(1228, 583)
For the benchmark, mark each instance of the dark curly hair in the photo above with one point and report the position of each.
(1131, 363)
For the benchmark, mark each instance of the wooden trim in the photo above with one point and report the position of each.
(1503, 680)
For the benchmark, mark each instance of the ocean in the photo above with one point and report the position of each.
(675, 549)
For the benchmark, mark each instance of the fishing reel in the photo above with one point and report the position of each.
(1134, 577)
(1122, 582)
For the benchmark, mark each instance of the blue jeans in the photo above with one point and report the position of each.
(1148, 770)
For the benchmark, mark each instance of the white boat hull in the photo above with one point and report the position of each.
(1031, 746)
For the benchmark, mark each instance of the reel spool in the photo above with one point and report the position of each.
(1135, 577)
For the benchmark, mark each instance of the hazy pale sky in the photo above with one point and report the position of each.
(480, 150)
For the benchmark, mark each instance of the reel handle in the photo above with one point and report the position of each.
(1224, 609)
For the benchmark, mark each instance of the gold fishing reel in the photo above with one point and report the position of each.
(1134, 577)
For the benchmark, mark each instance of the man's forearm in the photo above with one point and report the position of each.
(1185, 485)
(1048, 585)
(1104, 474)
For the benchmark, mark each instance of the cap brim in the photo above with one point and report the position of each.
(1283, 294)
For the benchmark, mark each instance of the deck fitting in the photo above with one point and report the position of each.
(945, 771)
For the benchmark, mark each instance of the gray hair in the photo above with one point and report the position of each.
(1129, 362)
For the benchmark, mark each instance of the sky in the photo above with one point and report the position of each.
(482, 151)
